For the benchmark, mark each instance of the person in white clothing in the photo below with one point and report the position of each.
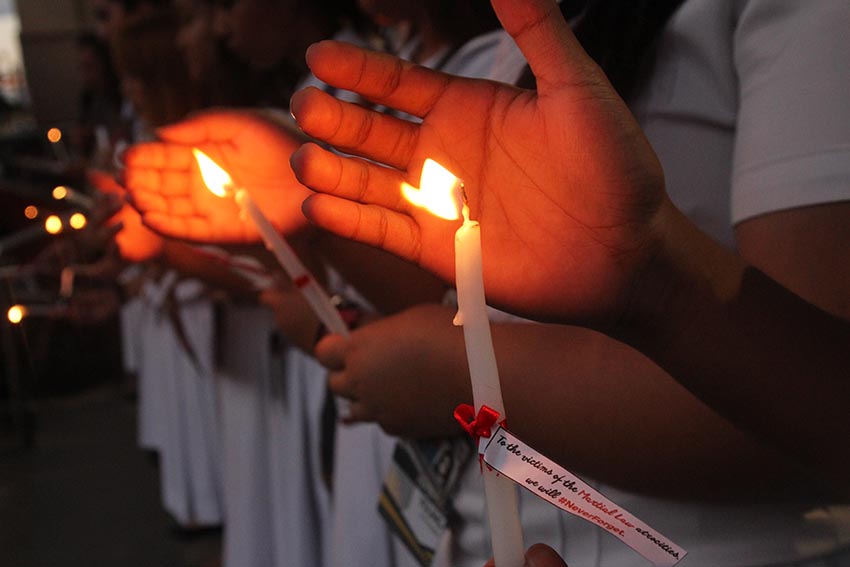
(681, 107)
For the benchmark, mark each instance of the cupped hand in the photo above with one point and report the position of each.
(254, 148)
(406, 372)
(568, 192)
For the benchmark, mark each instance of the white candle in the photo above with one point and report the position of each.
(62, 193)
(54, 136)
(439, 192)
(18, 313)
(500, 492)
(292, 265)
(220, 183)
(21, 237)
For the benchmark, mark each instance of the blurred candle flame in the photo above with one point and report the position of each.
(77, 221)
(31, 212)
(54, 135)
(16, 314)
(53, 224)
(217, 180)
(438, 193)
(60, 192)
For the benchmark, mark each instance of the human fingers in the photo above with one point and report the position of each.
(349, 178)
(352, 128)
(540, 555)
(210, 126)
(104, 182)
(191, 228)
(166, 182)
(379, 77)
(374, 225)
(544, 37)
(159, 155)
(330, 352)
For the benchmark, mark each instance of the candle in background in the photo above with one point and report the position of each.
(78, 221)
(53, 224)
(219, 182)
(62, 193)
(54, 136)
(31, 212)
(17, 313)
(440, 192)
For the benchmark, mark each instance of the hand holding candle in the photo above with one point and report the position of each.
(219, 182)
(163, 179)
(570, 193)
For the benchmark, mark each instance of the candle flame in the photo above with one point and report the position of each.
(16, 314)
(31, 212)
(53, 224)
(77, 221)
(60, 192)
(217, 180)
(439, 191)
(54, 135)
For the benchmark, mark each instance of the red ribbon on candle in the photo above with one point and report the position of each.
(477, 426)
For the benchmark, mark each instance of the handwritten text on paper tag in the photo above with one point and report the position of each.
(555, 484)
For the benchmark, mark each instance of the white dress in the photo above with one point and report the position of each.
(244, 380)
(191, 471)
(177, 407)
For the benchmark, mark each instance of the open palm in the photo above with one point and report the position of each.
(568, 192)
(167, 189)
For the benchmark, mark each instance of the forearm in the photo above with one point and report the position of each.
(759, 354)
(389, 283)
(189, 262)
(604, 410)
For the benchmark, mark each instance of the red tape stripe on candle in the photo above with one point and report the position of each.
(301, 281)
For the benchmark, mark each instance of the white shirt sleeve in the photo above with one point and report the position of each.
(793, 132)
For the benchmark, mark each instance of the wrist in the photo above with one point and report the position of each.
(687, 272)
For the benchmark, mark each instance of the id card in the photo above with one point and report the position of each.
(416, 495)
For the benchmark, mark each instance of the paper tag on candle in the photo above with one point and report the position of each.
(541, 476)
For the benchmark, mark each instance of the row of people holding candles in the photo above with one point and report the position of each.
(553, 203)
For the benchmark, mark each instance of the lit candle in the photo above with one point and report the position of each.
(77, 221)
(62, 193)
(54, 136)
(438, 187)
(17, 313)
(52, 225)
(219, 182)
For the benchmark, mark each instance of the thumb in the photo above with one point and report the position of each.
(540, 555)
(546, 40)
(330, 352)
